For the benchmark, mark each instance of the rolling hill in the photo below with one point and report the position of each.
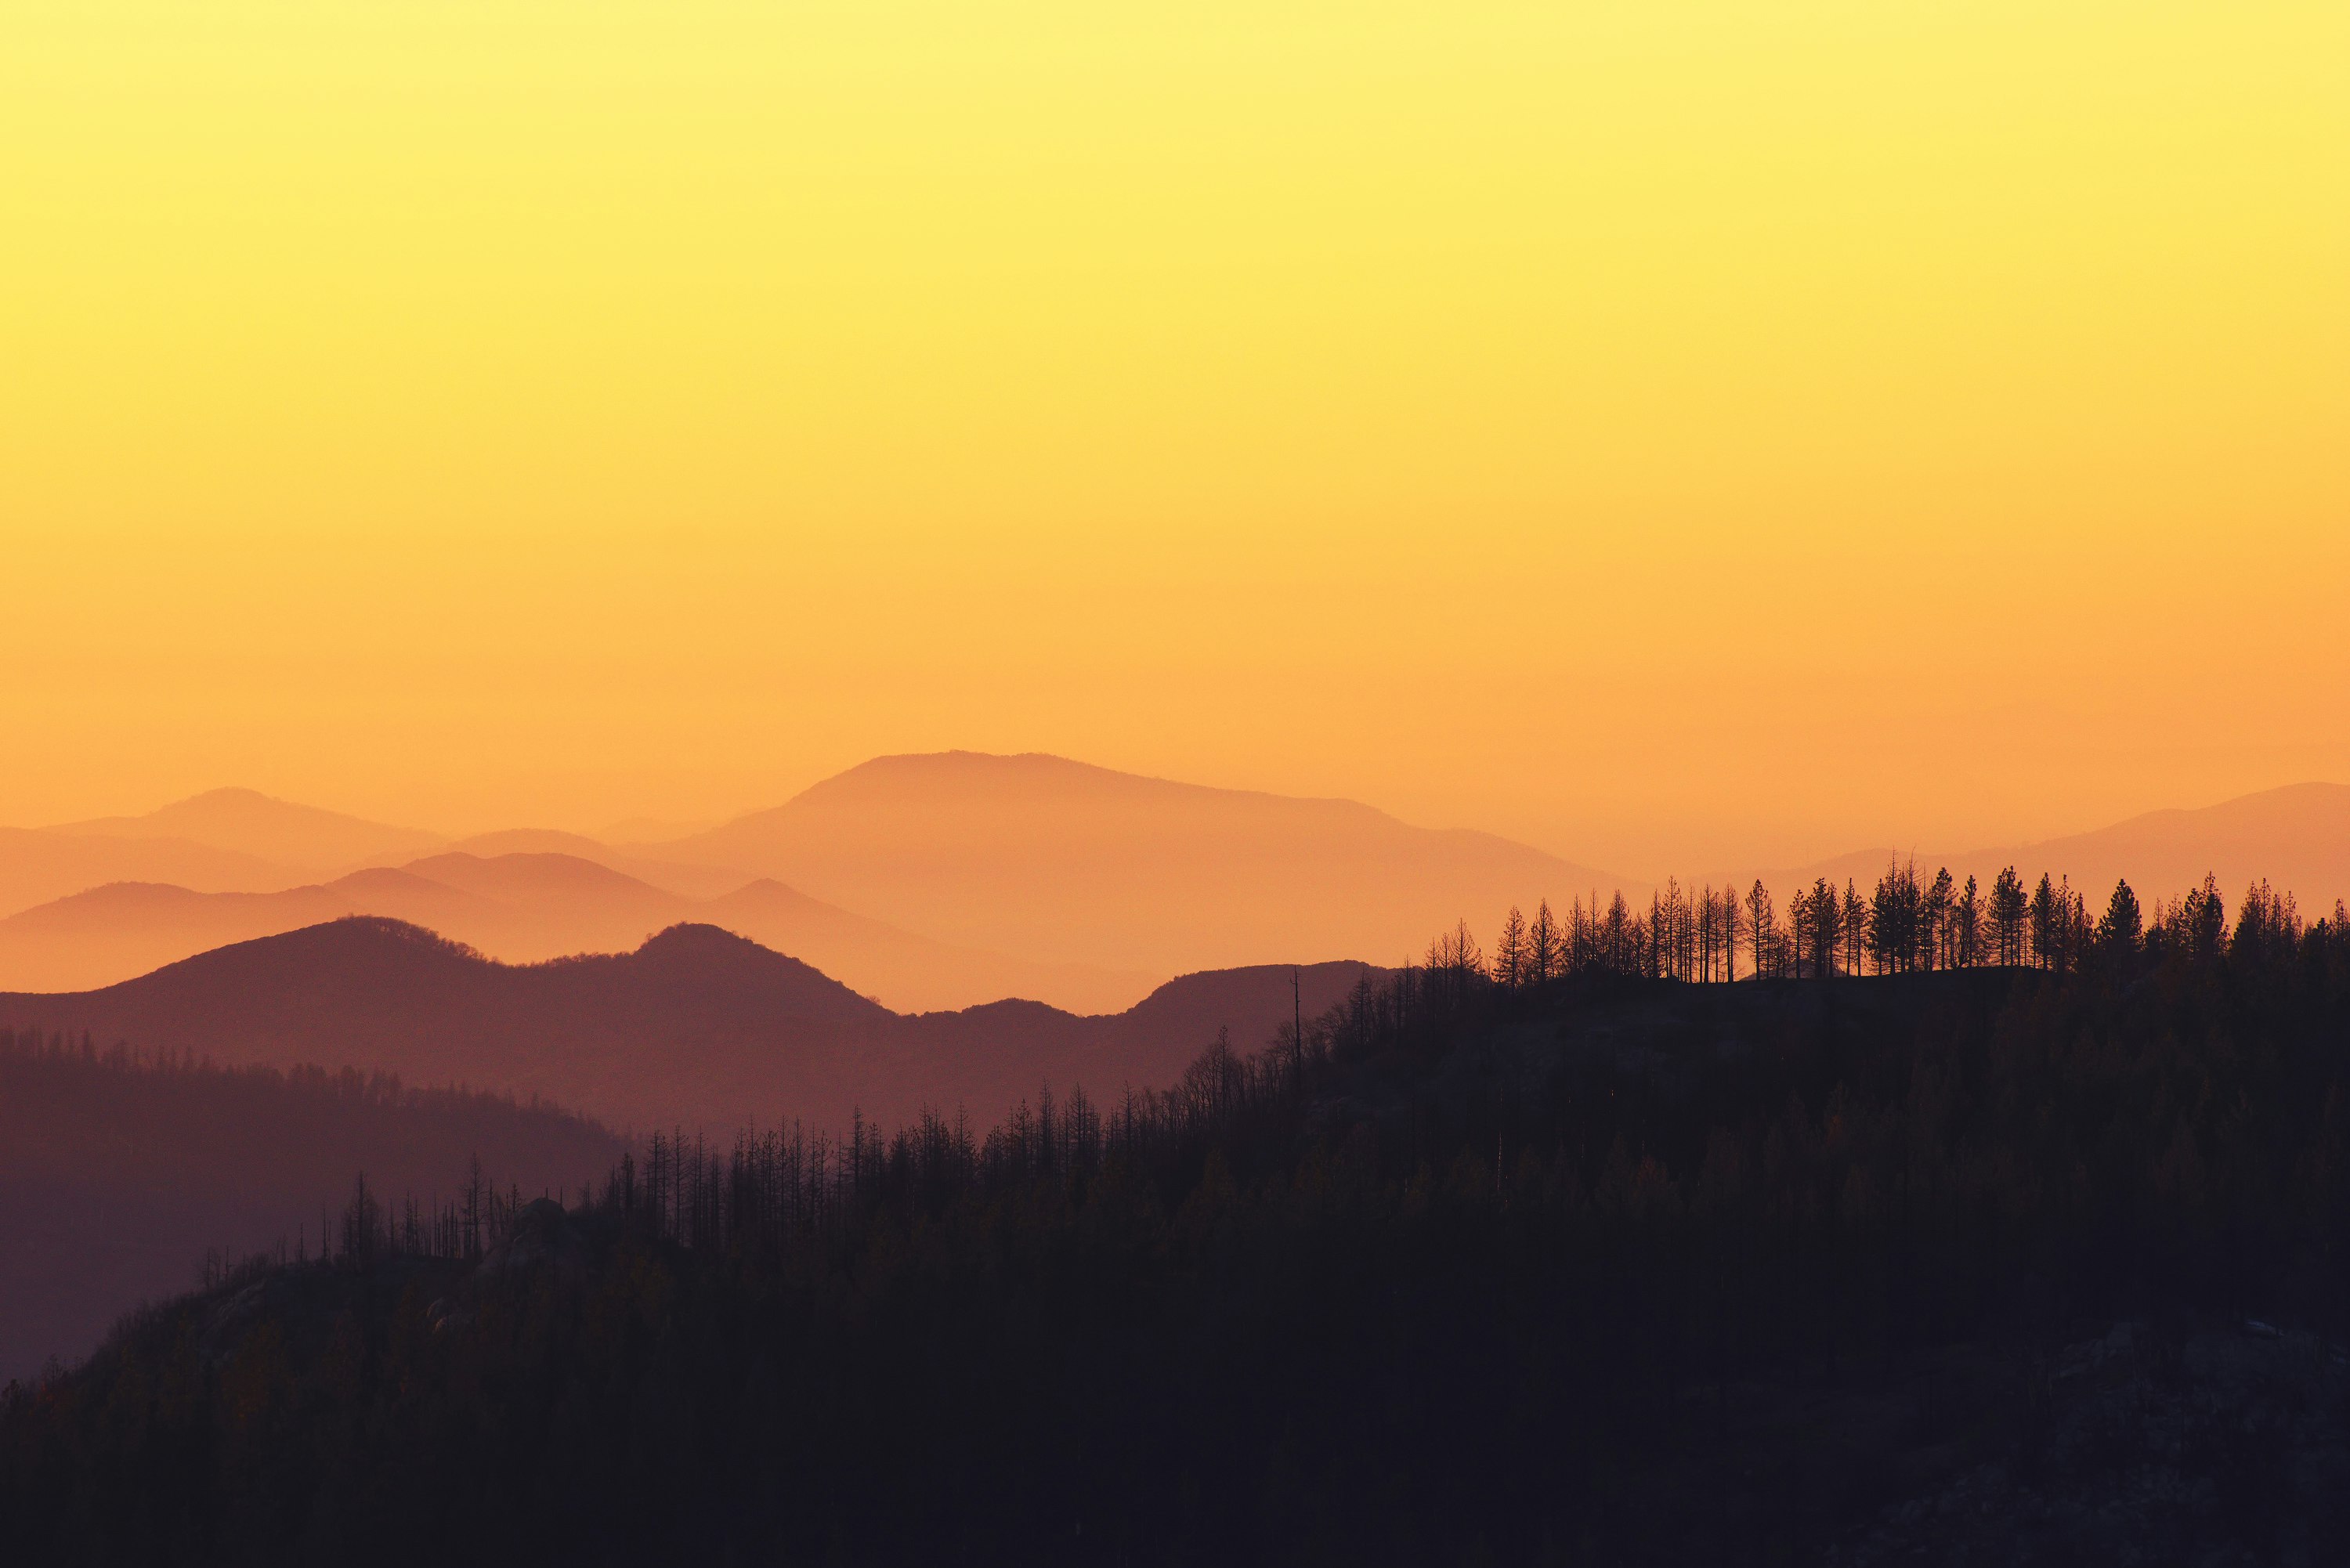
(40, 864)
(524, 908)
(696, 1028)
(686, 880)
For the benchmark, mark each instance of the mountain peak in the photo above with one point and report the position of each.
(924, 777)
(526, 873)
(696, 938)
(1068, 862)
(233, 795)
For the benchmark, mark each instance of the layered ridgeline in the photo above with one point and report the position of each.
(524, 906)
(1062, 860)
(697, 1028)
(941, 881)
(120, 1172)
(928, 882)
(1988, 1265)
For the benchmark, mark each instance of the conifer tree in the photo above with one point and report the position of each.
(2045, 914)
(1545, 956)
(2122, 931)
(1509, 965)
(1762, 926)
(2008, 910)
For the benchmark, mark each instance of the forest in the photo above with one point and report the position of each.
(1546, 1253)
(121, 1168)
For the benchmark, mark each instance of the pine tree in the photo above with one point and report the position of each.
(1510, 966)
(2044, 914)
(1545, 950)
(2122, 932)
(2009, 910)
(1762, 928)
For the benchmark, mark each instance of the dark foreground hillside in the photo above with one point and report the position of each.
(1991, 1266)
(120, 1173)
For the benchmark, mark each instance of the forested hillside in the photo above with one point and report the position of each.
(119, 1171)
(1996, 1264)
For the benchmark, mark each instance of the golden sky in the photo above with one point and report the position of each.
(1669, 432)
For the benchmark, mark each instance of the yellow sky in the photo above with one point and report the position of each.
(1670, 432)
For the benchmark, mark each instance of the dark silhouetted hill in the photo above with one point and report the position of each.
(117, 1176)
(1978, 1266)
(697, 1027)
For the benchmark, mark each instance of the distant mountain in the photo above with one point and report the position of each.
(595, 895)
(532, 841)
(37, 865)
(684, 879)
(246, 821)
(2297, 837)
(1061, 860)
(911, 973)
(117, 1178)
(916, 879)
(637, 830)
(130, 927)
(524, 908)
(126, 928)
(697, 1028)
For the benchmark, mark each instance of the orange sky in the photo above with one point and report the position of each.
(1672, 434)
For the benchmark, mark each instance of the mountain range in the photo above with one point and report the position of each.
(525, 907)
(1060, 859)
(697, 1028)
(929, 882)
(941, 881)
(297, 838)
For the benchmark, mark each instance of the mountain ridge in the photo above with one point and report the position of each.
(523, 907)
(286, 832)
(696, 1027)
(916, 876)
(1068, 861)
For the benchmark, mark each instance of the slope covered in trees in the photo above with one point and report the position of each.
(119, 1173)
(1581, 1268)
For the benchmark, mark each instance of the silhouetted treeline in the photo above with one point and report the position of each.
(1906, 922)
(1591, 1268)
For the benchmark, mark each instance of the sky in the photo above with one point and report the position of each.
(1671, 433)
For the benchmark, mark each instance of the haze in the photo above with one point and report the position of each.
(1671, 435)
